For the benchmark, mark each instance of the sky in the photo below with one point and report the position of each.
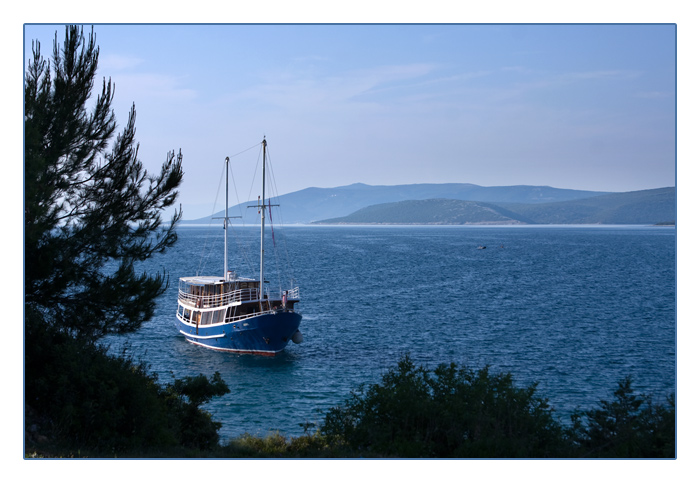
(580, 106)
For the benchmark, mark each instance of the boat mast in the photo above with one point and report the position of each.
(262, 228)
(226, 227)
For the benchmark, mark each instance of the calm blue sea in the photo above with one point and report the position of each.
(574, 308)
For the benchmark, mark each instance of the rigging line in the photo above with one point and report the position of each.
(273, 194)
(289, 269)
(203, 263)
(202, 260)
(235, 190)
(272, 226)
(271, 175)
(274, 189)
(252, 183)
(283, 251)
(273, 186)
(246, 150)
(279, 214)
(288, 266)
(242, 249)
(279, 272)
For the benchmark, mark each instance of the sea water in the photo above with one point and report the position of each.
(572, 308)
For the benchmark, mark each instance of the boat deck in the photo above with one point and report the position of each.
(214, 292)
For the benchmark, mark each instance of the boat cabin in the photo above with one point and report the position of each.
(213, 300)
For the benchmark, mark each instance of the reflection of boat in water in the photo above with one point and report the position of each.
(236, 314)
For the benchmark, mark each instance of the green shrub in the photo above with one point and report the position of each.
(92, 402)
(274, 445)
(629, 426)
(196, 429)
(83, 401)
(449, 412)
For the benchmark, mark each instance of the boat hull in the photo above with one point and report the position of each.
(265, 334)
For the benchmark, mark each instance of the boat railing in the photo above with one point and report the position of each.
(218, 300)
(269, 310)
(228, 298)
(237, 318)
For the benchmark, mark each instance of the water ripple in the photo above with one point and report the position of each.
(575, 309)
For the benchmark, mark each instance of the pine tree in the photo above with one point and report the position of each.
(90, 212)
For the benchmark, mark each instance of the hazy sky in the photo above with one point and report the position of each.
(571, 106)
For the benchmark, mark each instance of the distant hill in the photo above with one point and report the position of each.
(635, 207)
(430, 212)
(312, 204)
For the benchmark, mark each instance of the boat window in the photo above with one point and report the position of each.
(218, 316)
(206, 318)
(230, 312)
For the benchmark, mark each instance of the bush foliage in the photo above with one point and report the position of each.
(455, 411)
(629, 426)
(449, 412)
(81, 401)
(102, 405)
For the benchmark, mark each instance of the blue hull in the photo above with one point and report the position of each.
(265, 334)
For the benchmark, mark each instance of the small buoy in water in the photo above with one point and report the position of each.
(297, 338)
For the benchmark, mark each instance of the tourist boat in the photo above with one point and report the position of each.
(235, 314)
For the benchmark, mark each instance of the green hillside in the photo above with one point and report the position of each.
(635, 207)
(430, 212)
